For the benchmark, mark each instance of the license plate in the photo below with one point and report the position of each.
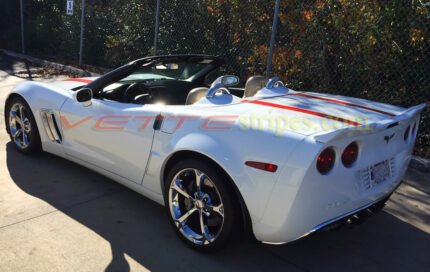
(380, 172)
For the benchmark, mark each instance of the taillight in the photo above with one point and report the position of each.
(325, 160)
(262, 166)
(406, 135)
(350, 154)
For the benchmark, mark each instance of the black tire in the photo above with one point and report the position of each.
(224, 192)
(34, 144)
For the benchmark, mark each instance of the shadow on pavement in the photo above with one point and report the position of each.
(138, 227)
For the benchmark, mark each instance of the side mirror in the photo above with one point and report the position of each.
(84, 96)
(229, 81)
(226, 81)
(222, 82)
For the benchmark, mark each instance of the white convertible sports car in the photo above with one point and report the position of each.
(265, 158)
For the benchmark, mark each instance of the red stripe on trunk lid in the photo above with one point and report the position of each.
(343, 103)
(290, 108)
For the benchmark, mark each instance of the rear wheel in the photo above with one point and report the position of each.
(199, 204)
(22, 126)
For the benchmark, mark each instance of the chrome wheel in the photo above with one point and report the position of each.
(20, 125)
(196, 206)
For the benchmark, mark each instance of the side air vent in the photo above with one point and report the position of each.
(51, 127)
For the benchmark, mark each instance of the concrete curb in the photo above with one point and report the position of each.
(420, 164)
(54, 65)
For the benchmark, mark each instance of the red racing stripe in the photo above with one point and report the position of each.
(83, 80)
(290, 108)
(343, 103)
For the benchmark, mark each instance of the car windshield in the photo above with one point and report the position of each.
(170, 69)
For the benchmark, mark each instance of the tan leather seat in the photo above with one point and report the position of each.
(253, 85)
(195, 95)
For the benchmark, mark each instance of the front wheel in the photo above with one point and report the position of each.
(22, 126)
(199, 204)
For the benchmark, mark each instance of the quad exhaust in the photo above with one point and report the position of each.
(357, 218)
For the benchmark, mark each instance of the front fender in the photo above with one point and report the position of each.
(42, 96)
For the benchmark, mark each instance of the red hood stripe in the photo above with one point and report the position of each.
(290, 108)
(83, 80)
(344, 103)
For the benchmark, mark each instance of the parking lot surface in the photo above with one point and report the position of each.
(58, 216)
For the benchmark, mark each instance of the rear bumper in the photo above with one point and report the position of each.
(355, 215)
(300, 207)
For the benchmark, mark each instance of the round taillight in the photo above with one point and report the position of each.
(350, 154)
(406, 135)
(325, 160)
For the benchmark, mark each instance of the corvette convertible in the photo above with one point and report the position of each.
(264, 159)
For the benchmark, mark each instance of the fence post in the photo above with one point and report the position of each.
(22, 26)
(272, 39)
(157, 21)
(81, 42)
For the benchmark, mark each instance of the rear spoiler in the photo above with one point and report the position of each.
(371, 128)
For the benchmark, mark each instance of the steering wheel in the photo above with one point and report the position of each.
(136, 90)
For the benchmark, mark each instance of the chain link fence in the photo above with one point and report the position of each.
(374, 49)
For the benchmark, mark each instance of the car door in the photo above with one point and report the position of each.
(116, 137)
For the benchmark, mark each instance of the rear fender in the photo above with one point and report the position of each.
(229, 150)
